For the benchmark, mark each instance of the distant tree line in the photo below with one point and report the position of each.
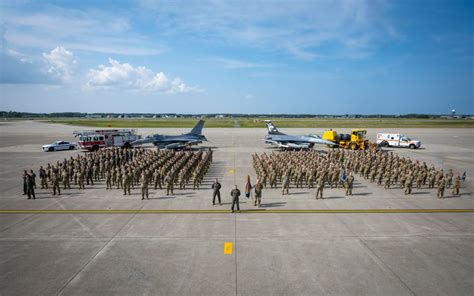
(14, 114)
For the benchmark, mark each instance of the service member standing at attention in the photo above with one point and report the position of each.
(235, 193)
(25, 182)
(457, 185)
(144, 181)
(30, 190)
(408, 184)
(169, 185)
(43, 176)
(285, 184)
(80, 179)
(108, 179)
(55, 180)
(441, 187)
(126, 180)
(350, 184)
(320, 187)
(33, 176)
(258, 187)
(216, 186)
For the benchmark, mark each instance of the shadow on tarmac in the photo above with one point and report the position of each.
(333, 197)
(297, 193)
(361, 194)
(272, 204)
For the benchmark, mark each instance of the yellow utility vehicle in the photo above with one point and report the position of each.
(355, 140)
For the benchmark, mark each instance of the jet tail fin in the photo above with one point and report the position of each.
(272, 130)
(197, 129)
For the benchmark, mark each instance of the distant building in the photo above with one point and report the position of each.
(93, 116)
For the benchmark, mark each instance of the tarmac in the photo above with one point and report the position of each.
(98, 242)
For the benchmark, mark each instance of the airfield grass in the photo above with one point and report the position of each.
(279, 122)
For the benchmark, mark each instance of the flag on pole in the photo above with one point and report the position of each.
(248, 186)
(344, 176)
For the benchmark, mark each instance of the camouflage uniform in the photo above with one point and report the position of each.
(144, 181)
(258, 187)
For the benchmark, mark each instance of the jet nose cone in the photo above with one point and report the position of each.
(326, 142)
(321, 141)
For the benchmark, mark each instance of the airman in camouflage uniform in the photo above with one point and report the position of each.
(126, 182)
(65, 178)
(286, 184)
(319, 187)
(157, 179)
(80, 179)
(441, 187)
(169, 185)
(108, 179)
(55, 179)
(144, 182)
(350, 184)
(30, 186)
(457, 185)
(258, 187)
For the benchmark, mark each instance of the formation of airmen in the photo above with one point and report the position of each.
(391, 170)
(310, 169)
(338, 167)
(125, 169)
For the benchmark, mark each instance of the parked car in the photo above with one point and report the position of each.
(59, 145)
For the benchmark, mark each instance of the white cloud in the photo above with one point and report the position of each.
(299, 28)
(236, 64)
(19, 68)
(18, 55)
(84, 30)
(301, 54)
(61, 63)
(126, 76)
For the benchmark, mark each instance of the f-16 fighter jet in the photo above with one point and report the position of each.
(194, 137)
(284, 141)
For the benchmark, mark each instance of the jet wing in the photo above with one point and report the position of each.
(146, 140)
(178, 145)
(298, 146)
(289, 145)
(322, 141)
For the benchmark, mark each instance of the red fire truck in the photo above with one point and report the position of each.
(92, 140)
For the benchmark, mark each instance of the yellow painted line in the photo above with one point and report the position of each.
(374, 211)
(228, 248)
(258, 211)
(113, 211)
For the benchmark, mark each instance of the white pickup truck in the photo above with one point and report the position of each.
(396, 140)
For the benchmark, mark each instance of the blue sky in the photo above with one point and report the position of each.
(317, 57)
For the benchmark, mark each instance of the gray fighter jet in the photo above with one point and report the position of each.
(284, 141)
(194, 137)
